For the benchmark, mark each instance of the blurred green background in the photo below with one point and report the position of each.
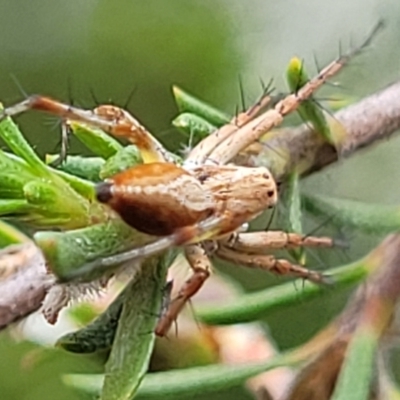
(79, 51)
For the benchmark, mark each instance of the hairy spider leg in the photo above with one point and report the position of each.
(221, 147)
(187, 235)
(271, 263)
(201, 266)
(111, 119)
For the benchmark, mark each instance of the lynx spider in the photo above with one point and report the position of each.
(216, 199)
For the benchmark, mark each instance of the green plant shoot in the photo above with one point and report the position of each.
(309, 110)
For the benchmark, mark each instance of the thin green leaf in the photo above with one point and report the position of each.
(195, 127)
(123, 159)
(77, 206)
(14, 139)
(9, 161)
(370, 218)
(134, 340)
(99, 142)
(10, 235)
(291, 213)
(53, 206)
(354, 381)
(9, 207)
(84, 167)
(99, 334)
(186, 383)
(82, 186)
(17, 169)
(188, 103)
(11, 185)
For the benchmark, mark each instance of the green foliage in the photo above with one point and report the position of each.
(45, 198)
(95, 140)
(369, 218)
(134, 339)
(128, 156)
(99, 334)
(194, 126)
(309, 111)
(84, 167)
(291, 212)
(189, 104)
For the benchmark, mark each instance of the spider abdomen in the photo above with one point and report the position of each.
(157, 198)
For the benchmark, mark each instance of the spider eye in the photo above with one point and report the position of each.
(103, 192)
(271, 193)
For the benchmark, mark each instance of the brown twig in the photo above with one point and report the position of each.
(22, 272)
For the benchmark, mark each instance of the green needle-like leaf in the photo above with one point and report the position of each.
(82, 186)
(75, 205)
(14, 207)
(370, 218)
(186, 383)
(98, 335)
(291, 213)
(134, 340)
(309, 110)
(84, 167)
(14, 139)
(123, 159)
(197, 128)
(10, 235)
(188, 103)
(96, 140)
(354, 381)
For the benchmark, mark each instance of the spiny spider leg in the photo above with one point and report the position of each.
(242, 245)
(201, 267)
(249, 248)
(270, 263)
(111, 119)
(183, 236)
(218, 148)
(204, 151)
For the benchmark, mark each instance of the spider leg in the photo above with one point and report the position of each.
(201, 266)
(186, 235)
(110, 119)
(220, 147)
(258, 242)
(200, 153)
(270, 263)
